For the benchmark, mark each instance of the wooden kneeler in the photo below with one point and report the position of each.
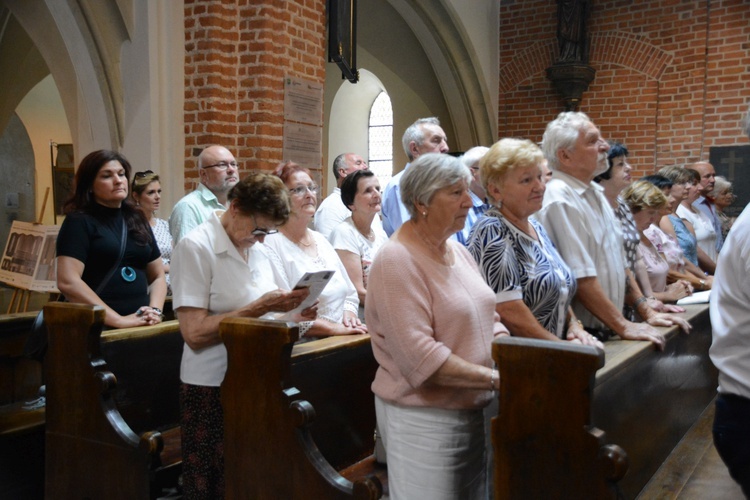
(544, 444)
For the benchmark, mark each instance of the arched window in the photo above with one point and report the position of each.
(380, 140)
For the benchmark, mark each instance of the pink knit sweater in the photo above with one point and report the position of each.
(418, 312)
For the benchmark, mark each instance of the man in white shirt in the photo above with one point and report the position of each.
(478, 195)
(584, 227)
(423, 136)
(219, 172)
(730, 349)
(705, 204)
(332, 210)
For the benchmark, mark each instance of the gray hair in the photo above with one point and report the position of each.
(472, 156)
(338, 163)
(415, 133)
(428, 174)
(562, 133)
(721, 184)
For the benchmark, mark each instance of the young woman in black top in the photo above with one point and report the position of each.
(131, 288)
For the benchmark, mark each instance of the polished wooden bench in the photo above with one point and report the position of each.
(646, 400)
(544, 443)
(21, 412)
(298, 419)
(112, 426)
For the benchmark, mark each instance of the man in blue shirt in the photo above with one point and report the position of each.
(423, 136)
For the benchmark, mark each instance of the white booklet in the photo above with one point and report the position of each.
(696, 298)
(316, 282)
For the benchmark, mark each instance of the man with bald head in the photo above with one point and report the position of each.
(704, 203)
(332, 210)
(218, 172)
(423, 136)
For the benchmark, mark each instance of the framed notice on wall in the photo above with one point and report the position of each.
(28, 260)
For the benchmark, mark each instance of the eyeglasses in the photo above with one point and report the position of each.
(262, 231)
(140, 175)
(222, 165)
(300, 190)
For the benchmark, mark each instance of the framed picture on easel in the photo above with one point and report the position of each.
(61, 156)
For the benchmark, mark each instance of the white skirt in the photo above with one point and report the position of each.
(433, 453)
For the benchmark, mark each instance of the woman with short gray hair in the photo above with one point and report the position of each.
(723, 196)
(432, 319)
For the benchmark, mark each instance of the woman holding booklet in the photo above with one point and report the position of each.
(218, 271)
(297, 250)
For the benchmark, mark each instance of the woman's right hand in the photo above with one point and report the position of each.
(146, 318)
(281, 300)
(678, 290)
(340, 329)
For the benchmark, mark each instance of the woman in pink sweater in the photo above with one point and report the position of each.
(432, 320)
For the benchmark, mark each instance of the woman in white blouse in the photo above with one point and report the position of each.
(296, 249)
(702, 226)
(358, 238)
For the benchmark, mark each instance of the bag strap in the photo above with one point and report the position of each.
(123, 241)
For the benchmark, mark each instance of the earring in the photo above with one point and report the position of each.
(424, 214)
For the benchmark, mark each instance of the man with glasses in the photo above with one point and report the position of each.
(332, 210)
(218, 171)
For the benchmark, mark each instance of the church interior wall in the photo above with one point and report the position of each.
(672, 78)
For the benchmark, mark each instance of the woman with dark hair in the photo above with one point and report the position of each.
(219, 272)
(106, 252)
(680, 268)
(146, 191)
(684, 187)
(297, 249)
(357, 239)
(702, 227)
(614, 180)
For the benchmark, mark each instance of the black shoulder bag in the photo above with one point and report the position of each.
(36, 345)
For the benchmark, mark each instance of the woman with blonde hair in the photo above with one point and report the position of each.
(533, 286)
(647, 202)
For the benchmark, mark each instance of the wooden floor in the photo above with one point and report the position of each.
(694, 470)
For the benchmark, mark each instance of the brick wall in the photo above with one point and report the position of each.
(673, 77)
(237, 53)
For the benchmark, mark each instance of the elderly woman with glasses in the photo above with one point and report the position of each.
(297, 250)
(432, 320)
(219, 272)
(146, 192)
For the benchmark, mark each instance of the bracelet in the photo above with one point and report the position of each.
(492, 380)
(158, 311)
(304, 326)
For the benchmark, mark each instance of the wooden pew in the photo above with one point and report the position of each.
(21, 412)
(646, 400)
(544, 443)
(298, 419)
(112, 426)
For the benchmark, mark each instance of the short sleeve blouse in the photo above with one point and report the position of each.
(518, 267)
